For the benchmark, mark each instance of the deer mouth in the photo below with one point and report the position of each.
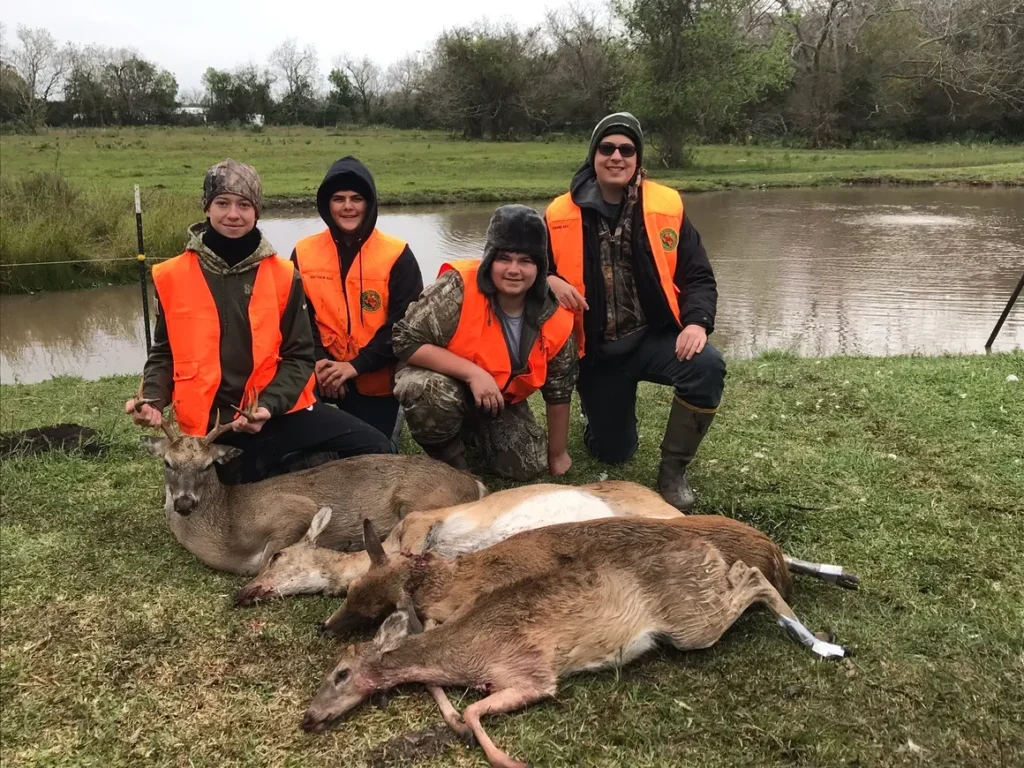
(252, 594)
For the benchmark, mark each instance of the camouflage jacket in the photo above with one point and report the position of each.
(434, 318)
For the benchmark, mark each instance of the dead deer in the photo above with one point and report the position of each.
(307, 568)
(439, 588)
(516, 642)
(235, 527)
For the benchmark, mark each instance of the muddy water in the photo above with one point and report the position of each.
(873, 271)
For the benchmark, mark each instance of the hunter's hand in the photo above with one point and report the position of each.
(559, 464)
(486, 392)
(251, 423)
(690, 342)
(568, 297)
(145, 416)
(332, 375)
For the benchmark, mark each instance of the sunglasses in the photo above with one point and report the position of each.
(607, 149)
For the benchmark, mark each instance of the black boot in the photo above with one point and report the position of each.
(683, 434)
(452, 453)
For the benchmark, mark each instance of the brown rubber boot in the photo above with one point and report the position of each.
(683, 434)
(452, 453)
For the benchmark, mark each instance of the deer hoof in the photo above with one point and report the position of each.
(848, 581)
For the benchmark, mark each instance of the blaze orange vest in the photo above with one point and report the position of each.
(349, 313)
(193, 329)
(663, 219)
(480, 340)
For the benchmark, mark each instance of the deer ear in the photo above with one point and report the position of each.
(155, 446)
(265, 557)
(222, 454)
(392, 632)
(405, 605)
(373, 546)
(320, 521)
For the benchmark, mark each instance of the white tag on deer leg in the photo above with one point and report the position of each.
(803, 635)
(830, 570)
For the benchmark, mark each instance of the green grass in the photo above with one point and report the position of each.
(120, 648)
(424, 166)
(101, 167)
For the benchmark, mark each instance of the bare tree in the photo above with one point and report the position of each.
(40, 65)
(298, 69)
(366, 78)
(192, 97)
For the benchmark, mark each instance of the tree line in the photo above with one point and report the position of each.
(821, 72)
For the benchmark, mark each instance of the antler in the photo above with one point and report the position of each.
(249, 405)
(166, 424)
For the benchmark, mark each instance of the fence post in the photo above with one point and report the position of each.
(142, 268)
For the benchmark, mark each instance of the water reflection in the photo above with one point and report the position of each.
(876, 271)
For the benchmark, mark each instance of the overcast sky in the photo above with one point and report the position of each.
(187, 36)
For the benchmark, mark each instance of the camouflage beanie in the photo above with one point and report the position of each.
(231, 177)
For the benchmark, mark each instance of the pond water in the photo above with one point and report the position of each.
(851, 271)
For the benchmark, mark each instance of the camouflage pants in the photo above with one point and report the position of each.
(440, 409)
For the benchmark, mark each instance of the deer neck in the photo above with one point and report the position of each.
(430, 578)
(425, 658)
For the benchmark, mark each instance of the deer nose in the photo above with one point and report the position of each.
(184, 505)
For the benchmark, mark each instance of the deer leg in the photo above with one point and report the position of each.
(833, 574)
(506, 700)
(448, 712)
(757, 589)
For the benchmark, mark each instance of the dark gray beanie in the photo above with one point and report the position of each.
(618, 122)
(519, 229)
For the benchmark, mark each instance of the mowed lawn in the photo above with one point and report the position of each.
(426, 166)
(119, 648)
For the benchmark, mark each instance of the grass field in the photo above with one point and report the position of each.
(421, 166)
(89, 176)
(119, 648)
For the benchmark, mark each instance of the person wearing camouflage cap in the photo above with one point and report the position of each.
(479, 341)
(211, 352)
(628, 261)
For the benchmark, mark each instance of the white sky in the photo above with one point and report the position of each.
(187, 36)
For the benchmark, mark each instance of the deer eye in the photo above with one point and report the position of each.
(275, 557)
(341, 676)
(167, 464)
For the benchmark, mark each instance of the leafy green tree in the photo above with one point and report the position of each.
(694, 66)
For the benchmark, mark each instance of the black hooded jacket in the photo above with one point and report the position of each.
(698, 296)
(405, 282)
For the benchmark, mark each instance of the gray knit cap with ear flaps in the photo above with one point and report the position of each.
(519, 229)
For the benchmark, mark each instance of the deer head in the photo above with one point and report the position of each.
(189, 460)
(356, 678)
(375, 594)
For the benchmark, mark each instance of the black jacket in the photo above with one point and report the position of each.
(404, 284)
(698, 296)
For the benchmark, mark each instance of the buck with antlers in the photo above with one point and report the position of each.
(234, 527)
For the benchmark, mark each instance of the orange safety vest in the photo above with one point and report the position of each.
(193, 329)
(480, 340)
(663, 219)
(346, 326)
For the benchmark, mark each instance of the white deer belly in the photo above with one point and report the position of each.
(460, 534)
(635, 647)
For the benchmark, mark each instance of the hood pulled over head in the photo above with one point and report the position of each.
(348, 174)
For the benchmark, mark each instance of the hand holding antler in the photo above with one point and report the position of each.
(142, 411)
(251, 416)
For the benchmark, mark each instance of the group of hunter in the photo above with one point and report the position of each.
(611, 287)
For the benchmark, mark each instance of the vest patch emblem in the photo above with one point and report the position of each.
(669, 239)
(370, 301)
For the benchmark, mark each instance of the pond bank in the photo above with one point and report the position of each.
(119, 646)
(412, 167)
